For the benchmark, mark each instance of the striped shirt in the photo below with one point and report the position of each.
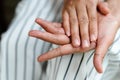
(19, 51)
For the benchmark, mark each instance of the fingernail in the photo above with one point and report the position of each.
(86, 43)
(93, 38)
(76, 43)
(68, 33)
(34, 33)
(37, 20)
(31, 33)
(39, 59)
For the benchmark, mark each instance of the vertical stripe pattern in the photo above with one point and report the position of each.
(19, 51)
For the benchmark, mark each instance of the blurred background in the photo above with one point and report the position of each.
(7, 8)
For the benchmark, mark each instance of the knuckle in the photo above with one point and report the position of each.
(93, 18)
(73, 33)
(83, 19)
(84, 35)
(65, 25)
(91, 3)
(59, 50)
(74, 21)
(56, 39)
(70, 6)
(93, 29)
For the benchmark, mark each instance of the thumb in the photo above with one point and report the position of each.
(99, 55)
(103, 8)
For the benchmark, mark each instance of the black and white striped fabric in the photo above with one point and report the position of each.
(19, 51)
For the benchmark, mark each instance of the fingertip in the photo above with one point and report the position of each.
(68, 33)
(93, 38)
(40, 59)
(98, 63)
(93, 44)
(85, 44)
(31, 33)
(76, 43)
(35, 33)
(37, 19)
(103, 7)
(106, 10)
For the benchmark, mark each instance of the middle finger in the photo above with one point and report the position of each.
(83, 24)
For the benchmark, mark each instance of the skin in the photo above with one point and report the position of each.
(80, 21)
(108, 25)
(57, 36)
(107, 29)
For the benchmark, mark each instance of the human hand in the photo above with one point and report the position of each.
(106, 34)
(80, 21)
(55, 34)
(108, 26)
(107, 29)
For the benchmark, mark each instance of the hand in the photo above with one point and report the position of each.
(108, 26)
(68, 49)
(55, 34)
(80, 21)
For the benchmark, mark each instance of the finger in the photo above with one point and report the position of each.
(74, 27)
(83, 24)
(66, 23)
(50, 27)
(92, 13)
(56, 39)
(99, 55)
(62, 50)
(103, 8)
